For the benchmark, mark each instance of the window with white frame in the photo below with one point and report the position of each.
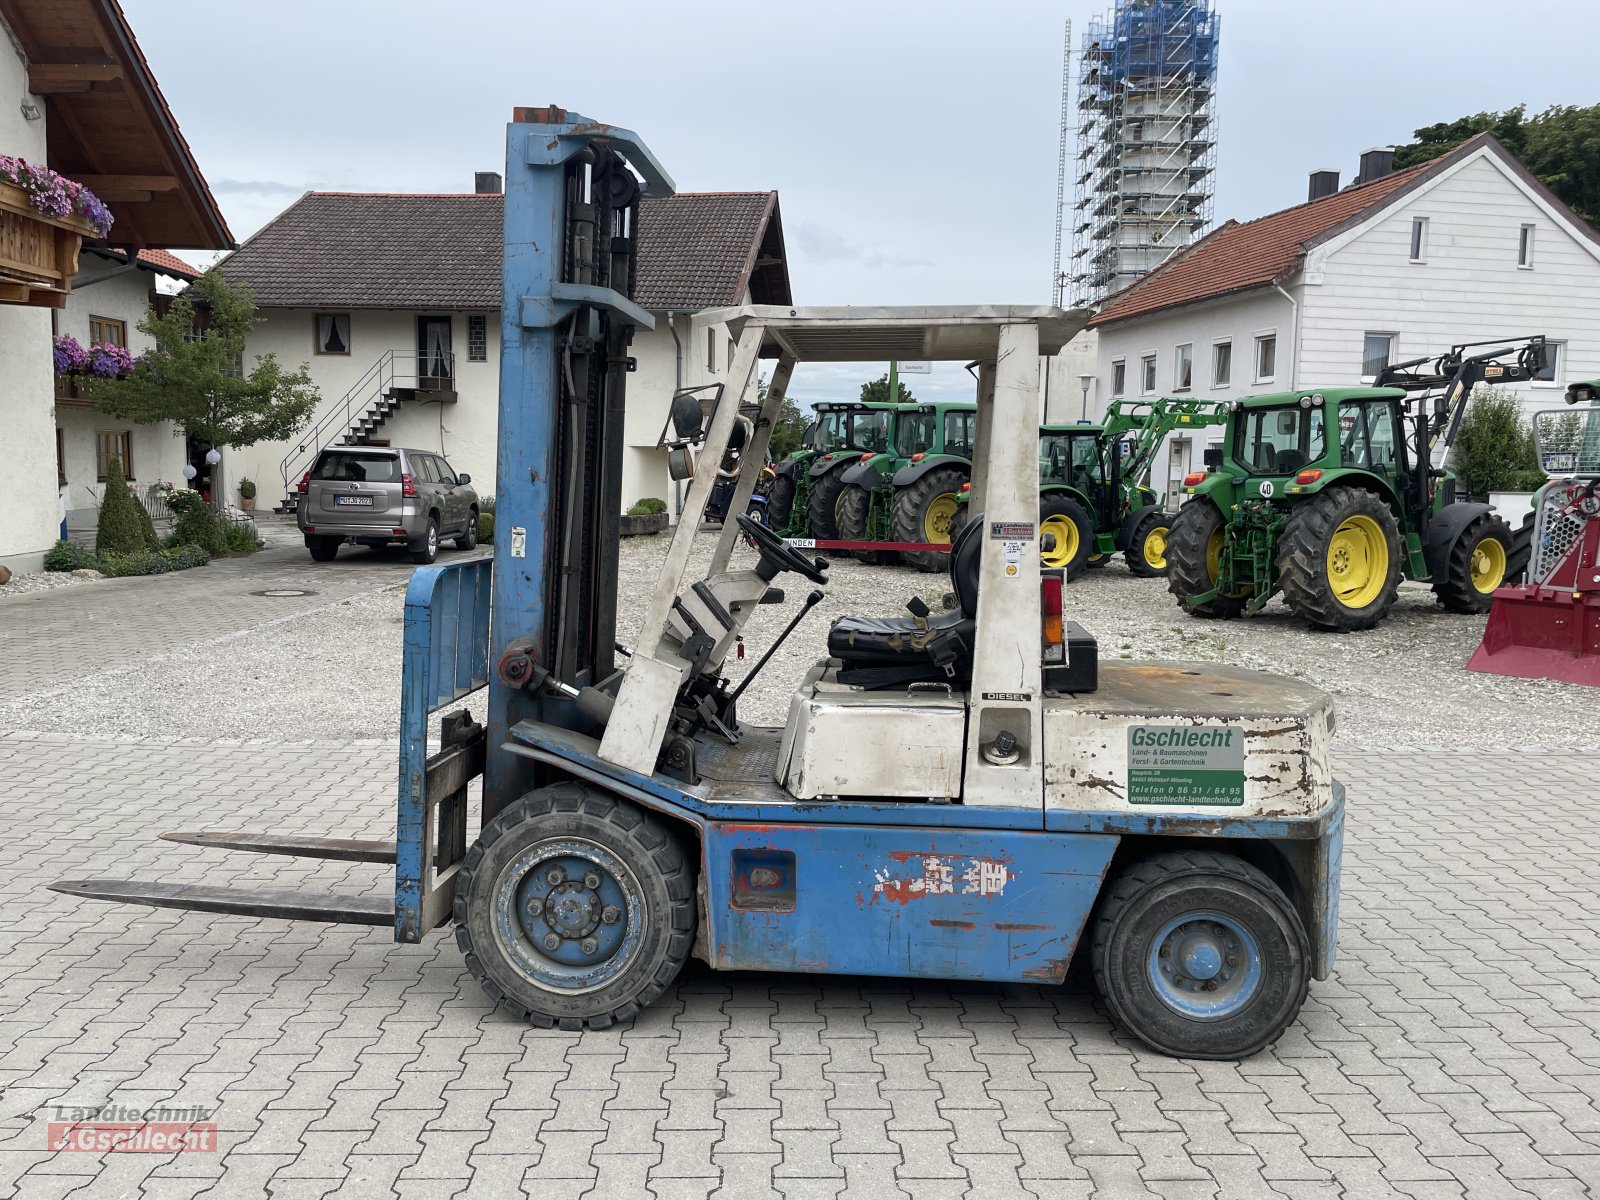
(1525, 248)
(1119, 377)
(1555, 358)
(1147, 375)
(1183, 368)
(1419, 239)
(1222, 364)
(1377, 352)
(1266, 357)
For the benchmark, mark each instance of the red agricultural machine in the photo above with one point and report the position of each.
(1548, 626)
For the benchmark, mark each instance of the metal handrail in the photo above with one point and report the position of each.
(338, 417)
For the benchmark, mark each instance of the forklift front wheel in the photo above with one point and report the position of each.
(1201, 955)
(574, 908)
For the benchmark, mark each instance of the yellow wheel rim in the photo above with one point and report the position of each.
(1155, 548)
(936, 519)
(1488, 565)
(1358, 562)
(1214, 554)
(1066, 535)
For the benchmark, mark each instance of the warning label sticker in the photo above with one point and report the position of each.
(1186, 764)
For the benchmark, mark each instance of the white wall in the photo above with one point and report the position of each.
(1469, 288)
(1239, 320)
(29, 514)
(1062, 399)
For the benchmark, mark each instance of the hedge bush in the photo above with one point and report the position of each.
(239, 539)
(69, 556)
(159, 562)
(1495, 450)
(201, 526)
(120, 530)
(649, 506)
(486, 527)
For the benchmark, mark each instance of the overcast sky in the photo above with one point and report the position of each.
(913, 145)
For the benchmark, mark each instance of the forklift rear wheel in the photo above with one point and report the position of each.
(1147, 552)
(574, 908)
(923, 511)
(1070, 525)
(1195, 542)
(323, 549)
(426, 548)
(1339, 560)
(1479, 562)
(469, 536)
(1201, 955)
(822, 508)
(855, 503)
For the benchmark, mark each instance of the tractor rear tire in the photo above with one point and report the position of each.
(1200, 955)
(1147, 551)
(1521, 549)
(537, 936)
(959, 521)
(1194, 548)
(822, 509)
(1073, 529)
(780, 503)
(1339, 560)
(923, 511)
(855, 503)
(1479, 562)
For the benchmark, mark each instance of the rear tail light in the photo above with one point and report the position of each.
(1055, 649)
(1310, 476)
(398, 532)
(407, 488)
(967, 486)
(305, 483)
(918, 457)
(867, 457)
(1193, 478)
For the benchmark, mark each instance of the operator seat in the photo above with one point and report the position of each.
(881, 652)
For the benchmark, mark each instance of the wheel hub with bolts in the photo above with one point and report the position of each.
(565, 914)
(1205, 966)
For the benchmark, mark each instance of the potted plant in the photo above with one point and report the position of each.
(247, 494)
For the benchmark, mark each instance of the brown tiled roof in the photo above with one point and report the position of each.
(391, 250)
(168, 263)
(1237, 257)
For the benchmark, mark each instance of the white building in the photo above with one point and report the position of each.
(111, 293)
(394, 303)
(1401, 265)
(109, 129)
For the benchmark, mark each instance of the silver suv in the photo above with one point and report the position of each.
(373, 496)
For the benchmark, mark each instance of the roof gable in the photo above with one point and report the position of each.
(403, 250)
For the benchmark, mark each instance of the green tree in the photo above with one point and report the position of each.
(877, 392)
(195, 375)
(120, 531)
(1494, 449)
(1560, 146)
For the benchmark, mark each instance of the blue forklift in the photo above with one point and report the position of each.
(966, 794)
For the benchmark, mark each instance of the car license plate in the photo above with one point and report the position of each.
(352, 501)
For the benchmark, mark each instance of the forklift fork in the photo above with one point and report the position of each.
(446, 658)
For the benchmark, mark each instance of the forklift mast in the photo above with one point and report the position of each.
(567, 318)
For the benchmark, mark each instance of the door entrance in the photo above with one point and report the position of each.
(435, 362)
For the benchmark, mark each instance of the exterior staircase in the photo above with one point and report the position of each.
(356, 417)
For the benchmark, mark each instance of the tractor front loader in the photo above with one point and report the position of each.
(1332, 495)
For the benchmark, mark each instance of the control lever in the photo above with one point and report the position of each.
(814, 599)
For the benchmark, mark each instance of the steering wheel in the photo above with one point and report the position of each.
(779, 553)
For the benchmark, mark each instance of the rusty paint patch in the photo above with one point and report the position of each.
(1053, 970)
(1013, 927)
(954, 925)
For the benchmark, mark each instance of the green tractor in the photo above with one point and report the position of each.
(907, 493)
(1094, 494)
(838, 436)
(1332, 495)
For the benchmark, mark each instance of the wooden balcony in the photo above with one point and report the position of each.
(38, 253)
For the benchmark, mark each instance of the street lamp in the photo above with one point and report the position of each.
(1085, 382)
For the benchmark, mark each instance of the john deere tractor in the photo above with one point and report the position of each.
(1094, 493)
(1332, 495)
(908, 492)
(837, 438)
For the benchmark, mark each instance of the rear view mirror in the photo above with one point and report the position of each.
(1213, 458)
(686, 416)
(463, 478)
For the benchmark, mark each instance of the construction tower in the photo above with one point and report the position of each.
(1146, 144)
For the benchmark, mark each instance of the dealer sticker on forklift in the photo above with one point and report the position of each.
(1186, 764)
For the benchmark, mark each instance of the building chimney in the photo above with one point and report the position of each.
(1376, 163)
(486, 183)
(1323, 183)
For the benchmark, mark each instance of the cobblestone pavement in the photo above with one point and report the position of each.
(1455, 1053)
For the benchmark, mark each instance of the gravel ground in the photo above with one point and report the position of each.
(46, 581)
(336, 674)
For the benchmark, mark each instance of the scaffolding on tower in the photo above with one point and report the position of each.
(1146, 145)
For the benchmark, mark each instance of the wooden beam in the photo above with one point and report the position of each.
(100, 185)
(122, 196)
(47, 78)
